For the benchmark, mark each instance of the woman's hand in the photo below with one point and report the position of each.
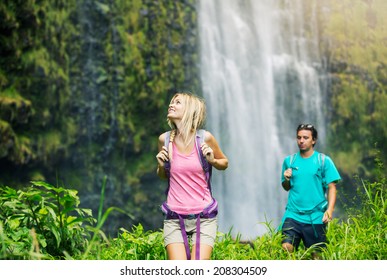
(208, 153)
(162, 156)
(213, 153)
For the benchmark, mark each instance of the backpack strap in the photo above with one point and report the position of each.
(167, 164)
(292, 159)
(205, 165)
(321, 160)
(166, 140)
(199, 140)
(323, 204)
(209, 211)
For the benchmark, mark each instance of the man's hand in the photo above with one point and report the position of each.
(327, 217)
(288, 174)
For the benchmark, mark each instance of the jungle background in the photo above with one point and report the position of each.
(85, 85)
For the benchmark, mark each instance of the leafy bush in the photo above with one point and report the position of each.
(363, 236)
(136, 245)
(42, 221)
(45, 222)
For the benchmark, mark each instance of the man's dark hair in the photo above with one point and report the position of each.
(308, 127)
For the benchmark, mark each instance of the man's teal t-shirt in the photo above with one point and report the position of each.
(308, 192)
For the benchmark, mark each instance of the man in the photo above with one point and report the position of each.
(310, 178)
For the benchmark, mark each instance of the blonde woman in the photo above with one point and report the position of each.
(186, 156)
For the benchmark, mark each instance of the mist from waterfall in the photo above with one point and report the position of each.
(261, 77)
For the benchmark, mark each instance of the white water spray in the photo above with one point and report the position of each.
(260, 77)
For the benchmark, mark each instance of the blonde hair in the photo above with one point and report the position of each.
(193, 118)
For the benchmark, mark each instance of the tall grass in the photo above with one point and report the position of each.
(360, 236)
(44, 222)
(99, 241)
(363, 235)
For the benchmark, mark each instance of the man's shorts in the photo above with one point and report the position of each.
(295, 231)
(208, 230)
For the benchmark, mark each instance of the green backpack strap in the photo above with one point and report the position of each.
(292, 159)
(321, 160)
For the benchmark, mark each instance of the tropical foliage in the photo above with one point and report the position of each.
(356, 50)
(42, 221)
(84, 87)
(84, 84)
(45, 222)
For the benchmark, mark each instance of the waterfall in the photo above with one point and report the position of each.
(262, 76)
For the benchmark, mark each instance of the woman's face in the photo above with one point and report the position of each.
(176, 108)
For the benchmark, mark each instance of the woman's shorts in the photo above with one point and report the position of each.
(208, 230)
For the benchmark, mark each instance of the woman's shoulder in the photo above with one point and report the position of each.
(208, 136)
(162, 136)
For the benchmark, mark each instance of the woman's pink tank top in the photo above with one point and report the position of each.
(188, 191)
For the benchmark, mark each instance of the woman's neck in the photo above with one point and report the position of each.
(185, 139)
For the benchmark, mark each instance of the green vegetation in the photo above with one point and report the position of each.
(44, 222)
(84, 87)
(354, 43)
(84, 84)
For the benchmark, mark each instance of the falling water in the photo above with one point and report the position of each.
(261, 77)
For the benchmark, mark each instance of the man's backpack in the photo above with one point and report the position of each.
(321, 160)
(323, 204)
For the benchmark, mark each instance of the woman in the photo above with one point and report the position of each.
(189, 193)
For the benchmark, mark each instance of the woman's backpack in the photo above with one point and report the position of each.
(209, 212)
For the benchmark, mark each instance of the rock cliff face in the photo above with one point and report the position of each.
(84, 88)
